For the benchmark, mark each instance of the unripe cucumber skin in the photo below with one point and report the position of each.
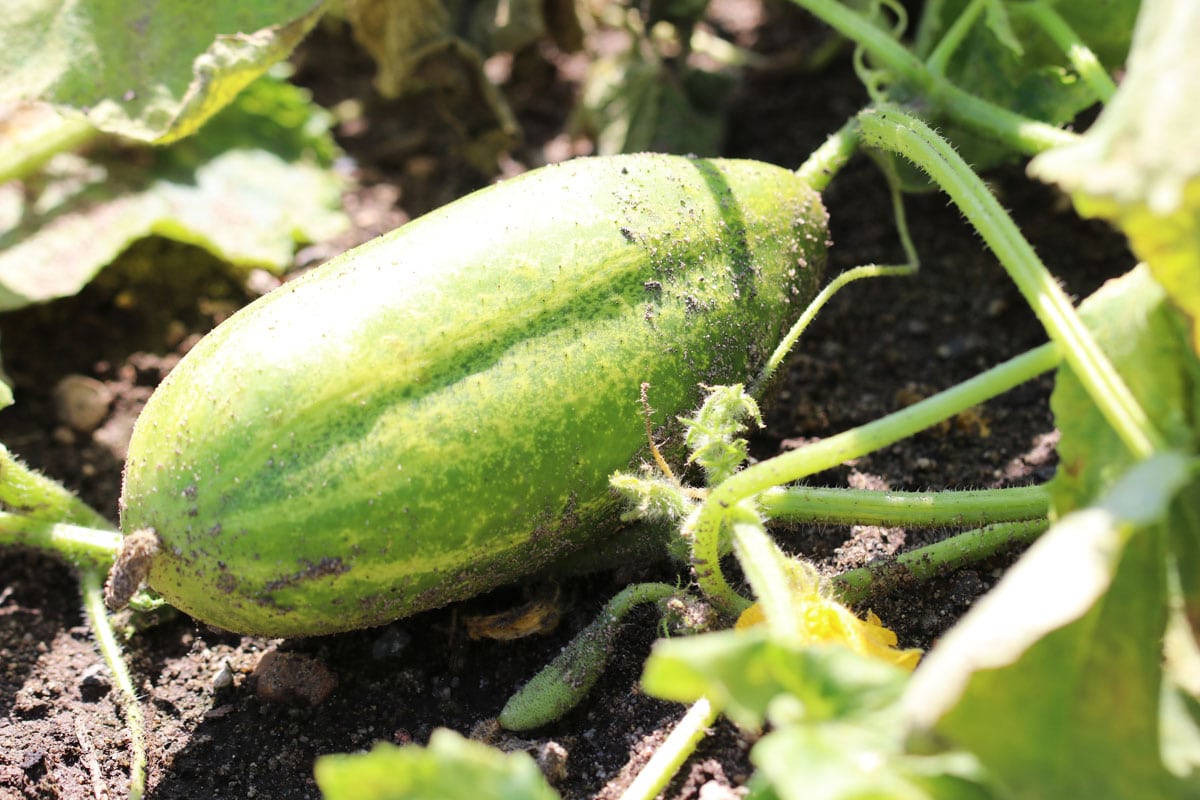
(437, 412)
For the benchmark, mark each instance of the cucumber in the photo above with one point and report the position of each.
(437, 412)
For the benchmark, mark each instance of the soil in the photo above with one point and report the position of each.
(219, 730)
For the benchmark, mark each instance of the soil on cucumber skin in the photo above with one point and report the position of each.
(879, 345)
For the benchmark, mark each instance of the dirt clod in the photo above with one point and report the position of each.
(283, 677)
(94, 683)
(81, 402)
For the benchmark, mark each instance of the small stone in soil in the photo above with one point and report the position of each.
(82, 402)
(223, 677)
(293, 678)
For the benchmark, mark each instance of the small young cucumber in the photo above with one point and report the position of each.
(438, 411)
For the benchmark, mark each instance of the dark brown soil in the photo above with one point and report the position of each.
(877, 346)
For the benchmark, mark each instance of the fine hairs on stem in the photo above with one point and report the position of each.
(91, 586)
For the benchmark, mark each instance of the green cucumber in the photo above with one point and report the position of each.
(437, 412)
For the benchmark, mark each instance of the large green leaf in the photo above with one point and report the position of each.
(247, 188)
(152, 70)
(1053, 680)
(1072, 636)
(1139, 164)
(450, 768)
(1146, 340)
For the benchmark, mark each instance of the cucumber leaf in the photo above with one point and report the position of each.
(1008, 59)
(1104, 25)
(1185, 548)
(840, 760)
(411, 42)
(1053, 680)
(743, 672)
(153, 72)
(450, 768)
(1145, 338)
(1138, 166)
(1181, 699)
(438, 48)
(247, 188)
(633, 102)
(836, 731)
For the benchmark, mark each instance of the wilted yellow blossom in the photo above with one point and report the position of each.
(824, 620)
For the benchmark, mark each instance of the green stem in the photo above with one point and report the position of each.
(810, 313)
(1079, 54)
(705, 526)
(911, 265)
(764, 566)
(828, 159)
(91, 585)
(895, 131)
(86, 548)
(936, 559)
(32, 494)
(671, 754)
(1022, 134)
(1025, 135)
(953, 38)
(904, 509)
(881, 44)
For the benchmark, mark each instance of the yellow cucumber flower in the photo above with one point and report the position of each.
(823, 620)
